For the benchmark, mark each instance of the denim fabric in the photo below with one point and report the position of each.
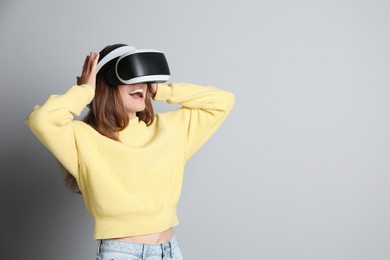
(109, 249)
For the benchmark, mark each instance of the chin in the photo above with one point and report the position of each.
(140, 109)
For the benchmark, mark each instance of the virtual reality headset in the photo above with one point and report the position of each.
(128, 65)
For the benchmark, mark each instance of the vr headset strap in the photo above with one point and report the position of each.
(114, 54)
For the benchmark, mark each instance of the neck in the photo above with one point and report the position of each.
(132, 115)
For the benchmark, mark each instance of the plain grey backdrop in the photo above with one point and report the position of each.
(300, 169)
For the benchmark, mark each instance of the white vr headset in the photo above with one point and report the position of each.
(134, 66)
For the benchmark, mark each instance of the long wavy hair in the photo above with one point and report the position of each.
(107, 114)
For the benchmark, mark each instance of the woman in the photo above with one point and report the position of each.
(127, 162)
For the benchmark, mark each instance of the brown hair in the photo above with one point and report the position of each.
(107, 115)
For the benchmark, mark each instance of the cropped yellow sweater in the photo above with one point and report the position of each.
(131, 187)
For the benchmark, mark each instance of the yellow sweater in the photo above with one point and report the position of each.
(131, 187)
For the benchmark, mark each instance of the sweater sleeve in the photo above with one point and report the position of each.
(51, 122)
(204, 109)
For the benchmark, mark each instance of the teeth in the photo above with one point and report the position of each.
(136, 91)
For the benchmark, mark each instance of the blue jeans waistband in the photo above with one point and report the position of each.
(137, 249)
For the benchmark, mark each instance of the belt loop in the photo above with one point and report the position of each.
(170, 246)
(143, 251)
(98, 247)
(162, 249)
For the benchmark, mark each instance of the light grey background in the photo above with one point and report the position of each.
(300, 169)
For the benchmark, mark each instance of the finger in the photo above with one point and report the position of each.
(86, 61)
(84, 66)
(94, 62)
(91, 61)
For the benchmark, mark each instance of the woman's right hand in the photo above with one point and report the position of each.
(88, 74)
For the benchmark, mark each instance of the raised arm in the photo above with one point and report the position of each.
(204, 108)
(52, 121)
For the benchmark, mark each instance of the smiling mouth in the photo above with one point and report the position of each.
(137, 93)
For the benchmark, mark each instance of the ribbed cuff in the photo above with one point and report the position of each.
(89, 92)
(163, 92)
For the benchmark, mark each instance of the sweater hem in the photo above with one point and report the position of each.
(134, 224)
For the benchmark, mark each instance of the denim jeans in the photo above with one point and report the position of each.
(109, 249)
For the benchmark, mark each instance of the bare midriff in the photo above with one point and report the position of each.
(155, 238)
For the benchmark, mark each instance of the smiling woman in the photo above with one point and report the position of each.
(127, 162)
